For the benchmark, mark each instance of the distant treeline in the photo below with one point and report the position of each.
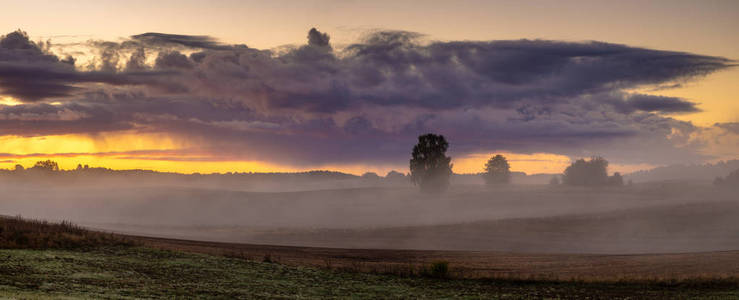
(49, 172)
(705, 172)
(51, 168)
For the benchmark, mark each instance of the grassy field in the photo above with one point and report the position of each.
(140, 272)
(720, 265)
(41, 260)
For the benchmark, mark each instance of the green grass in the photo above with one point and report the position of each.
(138, 272)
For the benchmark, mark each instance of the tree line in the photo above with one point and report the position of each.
(431, 168)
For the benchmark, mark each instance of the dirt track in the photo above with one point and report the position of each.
(481, 264)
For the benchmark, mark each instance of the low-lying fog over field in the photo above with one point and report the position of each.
(650, 217)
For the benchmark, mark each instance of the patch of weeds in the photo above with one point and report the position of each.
(437, 269)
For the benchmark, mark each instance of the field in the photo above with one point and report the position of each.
(481, 264)
(518, 242)
(138, 272)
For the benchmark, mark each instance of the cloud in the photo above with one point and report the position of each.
(662, 104)
(155, 39)
(317, 38)
(172, 60)
(30, 73)
(628, 103)
(313, 104)
(732, 127)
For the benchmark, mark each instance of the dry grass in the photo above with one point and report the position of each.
(19, 233)
(666, 268)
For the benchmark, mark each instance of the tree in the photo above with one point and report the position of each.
(394, 175)
(497, 170)
(19, 168)
(731, 180)
(430, 167)
(370, 176)
(616, 179)
(46, 165)
(587, 173)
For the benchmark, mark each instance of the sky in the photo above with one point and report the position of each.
(235, 86)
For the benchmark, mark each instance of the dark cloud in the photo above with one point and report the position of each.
(629, 103)
(172, 60)
(313, 104)
(317, 38)
(137, 61)
(27, 72)
(31, 74)
(169, 40)
(661, 104)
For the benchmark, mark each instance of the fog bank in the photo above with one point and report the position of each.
(651, 217)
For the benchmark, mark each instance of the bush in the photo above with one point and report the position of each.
(437, 269)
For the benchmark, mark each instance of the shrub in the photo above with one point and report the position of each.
(437, 269)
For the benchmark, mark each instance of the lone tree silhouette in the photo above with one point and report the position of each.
(497, 170)
(430, 167)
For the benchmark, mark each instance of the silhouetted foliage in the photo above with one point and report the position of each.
(497, 170)
(46, 165)
(708, 171)
(587, 173)
(394, 175)
(371, 176)
(437, 269)
(731, 180)
(19, 168)
(616, 179)
(18, 233)
(430, 167)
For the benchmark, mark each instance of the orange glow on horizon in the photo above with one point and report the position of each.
(159, 152)
(534, 163)
(9, 101)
